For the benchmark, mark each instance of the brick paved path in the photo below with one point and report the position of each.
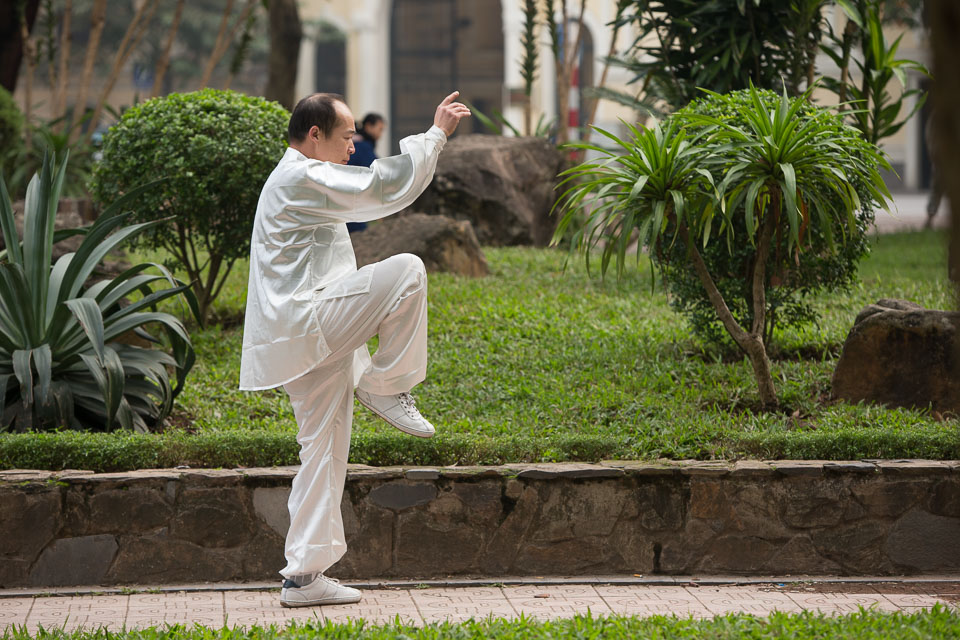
(236, 607)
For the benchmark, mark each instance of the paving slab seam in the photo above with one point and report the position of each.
(653, 581)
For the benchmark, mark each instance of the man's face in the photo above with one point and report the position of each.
(338, 147)
(375, 130)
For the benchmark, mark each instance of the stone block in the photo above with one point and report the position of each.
(31, 516)
(74, 561)
(270, 505)
(913, 467)
(216, 517)
(657, 506)
(402, 495)
(737, 554)
(261, 558)
(422, 474)
(806, 468)
(502, 549)
(14, 572)
(813, 503)
(128, 510)
(851, 466)
(565, 557)
(888, 498)
(857, 548)
(428, 546)
(920, 541)
(945, 498)
(577, 510)
(160, 559)
(751, 469)
(709, 469)
(370, 544)
(799, 555)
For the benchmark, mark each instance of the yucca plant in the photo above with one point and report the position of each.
(688, 180)
(66, 358)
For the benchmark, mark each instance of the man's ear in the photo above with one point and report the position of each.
(315, 133)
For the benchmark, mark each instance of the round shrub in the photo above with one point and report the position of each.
(215, 149)
(11, 132)
(793, 278)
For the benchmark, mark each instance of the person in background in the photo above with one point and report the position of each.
(365, 143)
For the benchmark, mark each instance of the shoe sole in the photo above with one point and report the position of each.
(412, 432)
(317, 603)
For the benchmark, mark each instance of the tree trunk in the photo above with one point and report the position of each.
(944, 20)
(97, 20)
(217, 45)
(751, 343)
(138, 26)
(30, 59)
(11, 40)
(164, 61)
(64, 72)
(285, 35)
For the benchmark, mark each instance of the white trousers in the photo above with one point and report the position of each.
(395, 307)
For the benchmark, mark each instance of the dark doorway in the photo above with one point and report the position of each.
(437, 46)
(331, 76)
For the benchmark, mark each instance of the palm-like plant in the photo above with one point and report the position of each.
(63, 358)
(783, 174)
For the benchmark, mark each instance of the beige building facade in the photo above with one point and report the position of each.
(401, 56)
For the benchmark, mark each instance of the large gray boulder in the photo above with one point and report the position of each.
(442, 243)
(503, 186)
(901, 355)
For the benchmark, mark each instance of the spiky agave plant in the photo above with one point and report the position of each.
(62, 362)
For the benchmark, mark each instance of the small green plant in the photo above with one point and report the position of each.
(11, 131)
(687, 181)
(795, 278)
(66, 358)
(217, 148)
(874, 111)
(56, 138)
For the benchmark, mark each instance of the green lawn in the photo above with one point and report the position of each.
(534, 363)
(939, 623)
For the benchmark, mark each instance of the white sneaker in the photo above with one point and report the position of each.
(322, 590)
(398, 410)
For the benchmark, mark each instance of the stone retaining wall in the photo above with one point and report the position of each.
(168, 526)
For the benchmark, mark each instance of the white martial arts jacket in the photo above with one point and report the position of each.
(300, 246)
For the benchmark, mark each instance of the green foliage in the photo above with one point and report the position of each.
(57, 139)
(875, 113)
(771, 182)
(11, 131)
(217, 148)
(65, 357)
(937, 623)
(721, 45)
(795, 277)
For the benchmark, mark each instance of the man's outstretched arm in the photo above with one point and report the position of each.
(338, 193)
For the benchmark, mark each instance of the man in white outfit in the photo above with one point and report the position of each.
(310, 313)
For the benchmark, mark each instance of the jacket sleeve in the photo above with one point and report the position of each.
(327, 192)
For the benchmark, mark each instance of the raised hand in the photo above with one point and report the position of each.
(449, 113)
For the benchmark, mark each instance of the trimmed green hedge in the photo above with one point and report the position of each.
(122, 451)
(106, 452)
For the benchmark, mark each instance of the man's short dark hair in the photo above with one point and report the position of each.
(371, 119)
(318, 110)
